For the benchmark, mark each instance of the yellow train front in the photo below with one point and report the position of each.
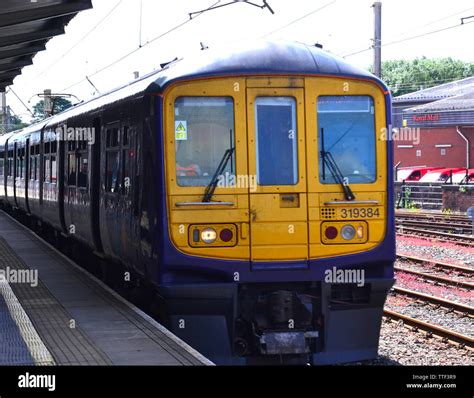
(278, 227)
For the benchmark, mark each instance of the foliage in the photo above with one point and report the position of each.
(60, 105)
(406, 76)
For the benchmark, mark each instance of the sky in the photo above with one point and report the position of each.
(101, 36)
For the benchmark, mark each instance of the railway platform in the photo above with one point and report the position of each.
(52, 312)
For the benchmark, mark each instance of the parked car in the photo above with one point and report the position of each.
(413, 173)
(465, 176)
(439, 175)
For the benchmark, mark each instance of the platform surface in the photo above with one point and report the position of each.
(68, 317)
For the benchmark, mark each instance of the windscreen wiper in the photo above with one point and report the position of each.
(330, 163)
(211, 187)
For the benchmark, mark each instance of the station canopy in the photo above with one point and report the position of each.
(25, 28)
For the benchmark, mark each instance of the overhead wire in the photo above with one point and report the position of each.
(50, 66)
(300, 18)
(125, 56)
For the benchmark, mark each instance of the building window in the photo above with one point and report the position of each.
(418, 152)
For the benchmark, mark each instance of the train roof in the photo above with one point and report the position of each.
(243, 58)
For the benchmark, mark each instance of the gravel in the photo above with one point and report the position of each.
(429, 268)
(399, 345)
(453, 293)
(431, 314)
(447, 252)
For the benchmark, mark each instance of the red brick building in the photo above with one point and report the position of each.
(435, 126)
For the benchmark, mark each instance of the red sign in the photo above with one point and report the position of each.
(430, 117)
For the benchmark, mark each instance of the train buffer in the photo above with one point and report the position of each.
(52, 312)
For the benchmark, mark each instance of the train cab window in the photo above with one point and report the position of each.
(112, 161)
(204, 133)
(346, 129)
(276, 140)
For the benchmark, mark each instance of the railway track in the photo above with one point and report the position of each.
(436, 278)
(431, 329)
(463, 309)
(433, 217)
(462, 240)
(438, 264)
(449, 227)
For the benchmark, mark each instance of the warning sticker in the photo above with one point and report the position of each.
(180, 130)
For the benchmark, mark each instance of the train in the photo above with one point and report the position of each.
(248, 186)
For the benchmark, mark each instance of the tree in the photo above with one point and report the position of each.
(404, 76)
(16, 123)
(60, 105)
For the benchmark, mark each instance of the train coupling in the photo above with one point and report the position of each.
(280, 343)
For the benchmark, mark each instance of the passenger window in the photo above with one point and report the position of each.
(112, 160)
(72, 175)
(112, 169)
(10, 163)
(126, 161)
(52, 176)
(83, 168)
(276, 141)
(203, 134)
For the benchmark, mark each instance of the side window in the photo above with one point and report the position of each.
(54, 167)
(82, 164)
(112, 160)
(2, 163)
(47, 162)
(71, 164)
(126, 161)
(10, 163)
(37, 162)
(31, 171)
(18, 162)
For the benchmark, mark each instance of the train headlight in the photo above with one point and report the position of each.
(208, 235)
(348, 232)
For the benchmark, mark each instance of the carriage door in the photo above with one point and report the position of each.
(278, 201)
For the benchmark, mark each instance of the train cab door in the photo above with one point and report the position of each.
(278, 202)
